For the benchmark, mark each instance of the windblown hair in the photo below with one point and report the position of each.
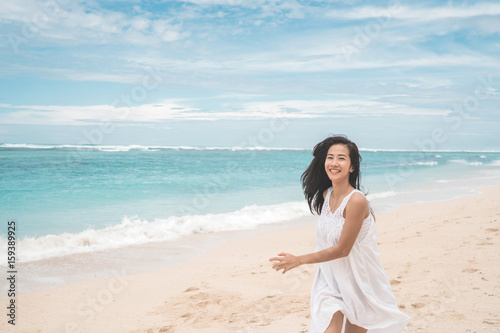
(315, 180)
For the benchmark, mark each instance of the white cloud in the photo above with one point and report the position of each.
(428, 83)
(216, 2)
(320, 50)
(52, 22)
(95, 114)
(20, 10)
(289, 60)
(293, 64)
(336, 108)
(173, 110)
(399, 11)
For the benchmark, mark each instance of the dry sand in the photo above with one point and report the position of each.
(443, 260)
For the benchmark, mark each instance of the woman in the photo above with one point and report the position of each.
(351, 292)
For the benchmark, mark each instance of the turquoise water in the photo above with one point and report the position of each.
(70, 199)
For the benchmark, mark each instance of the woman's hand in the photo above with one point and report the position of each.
(285, 261)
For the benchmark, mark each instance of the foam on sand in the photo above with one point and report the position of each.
(134, 230)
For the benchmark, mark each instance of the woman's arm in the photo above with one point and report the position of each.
(355, 212)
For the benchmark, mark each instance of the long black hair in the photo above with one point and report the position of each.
(315, 180)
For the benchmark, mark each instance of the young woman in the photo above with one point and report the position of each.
(351, 292)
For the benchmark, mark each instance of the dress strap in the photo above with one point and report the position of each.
(329, 192)
(326, 204)
(346, 200)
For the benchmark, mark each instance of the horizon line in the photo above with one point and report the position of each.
(180, 147)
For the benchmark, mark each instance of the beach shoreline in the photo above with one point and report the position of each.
(58, 271)
(441, 258)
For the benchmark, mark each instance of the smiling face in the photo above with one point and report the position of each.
(338, 163)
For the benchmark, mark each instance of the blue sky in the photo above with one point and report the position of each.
(389, 74)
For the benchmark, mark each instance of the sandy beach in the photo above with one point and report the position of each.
(441, 258)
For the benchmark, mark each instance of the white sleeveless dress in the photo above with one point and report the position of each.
(356, 285)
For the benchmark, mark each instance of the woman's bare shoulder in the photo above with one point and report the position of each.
(325, 192)
(358, 199)
(357, 204)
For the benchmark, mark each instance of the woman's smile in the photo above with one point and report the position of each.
(337, 162)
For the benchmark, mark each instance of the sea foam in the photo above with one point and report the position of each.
(462, 161)
(134, 231)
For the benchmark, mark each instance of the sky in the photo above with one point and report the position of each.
(270, 73)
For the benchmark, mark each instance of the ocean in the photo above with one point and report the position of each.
(69, 199)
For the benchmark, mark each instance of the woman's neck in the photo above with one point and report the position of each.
(340, 189)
